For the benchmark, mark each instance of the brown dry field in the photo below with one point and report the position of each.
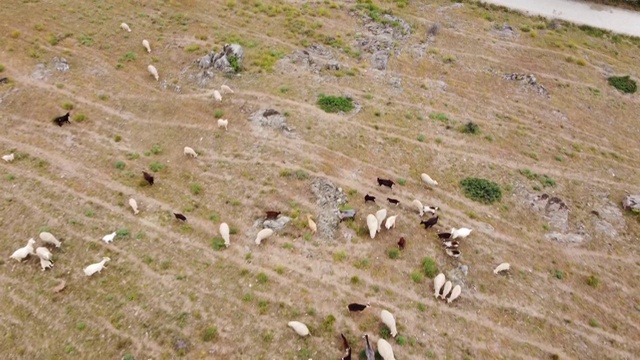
(166, 282)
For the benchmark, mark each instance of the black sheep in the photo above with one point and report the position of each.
(367, 197)
(393, 201)
(180, 217)
(429, 223)
(386, 182)
(148, 177)
(354, 307)
(62, 119)
(402, 243)
(347, 348)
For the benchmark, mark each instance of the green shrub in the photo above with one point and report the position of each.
(481, 190)
(196, 189)
(393, 253)
(623, 83)
(593, 281)
(209, 334)
(218, 114)
(156, 166)
(429, 267)
(129, 56)
(192, 48)
(470, 128)
(79, 117)
(1, 68)
(234, 63)
(85, 40)
(417, 277)
(333, 104)
(120, 165)
(67, 106)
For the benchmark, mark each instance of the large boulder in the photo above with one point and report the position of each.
(329, 197)
(631, 202)
(221, 61)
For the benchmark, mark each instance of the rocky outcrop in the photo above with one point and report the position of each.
(328, 198)
(631, 202)
(314, 58)
(270, 118)
(222, 61)
(528, 79)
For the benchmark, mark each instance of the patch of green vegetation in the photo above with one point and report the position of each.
(117, 138)
(295, 174)
(262, 278)
(209, 334)
(79, 117)
(470, 128)
(401, 340)
(192, 48)
(67, 106)
(417, 277)
(334, 104)
(120, 165)
(156, 166)
(156, 149)
(327, 324)
(594, 323)
(558, 274)
(339, 256)
(234, 63)
(196, 188)
(429, 267)
(421, 138)
(623, 83)
(122, 233)
(2, 68)
(218, 114)
(129, 56)
(217, 243)
(265, 60)
(402, 181)
(393, 253)
(481, 190)
(85, 40)
(593, 281)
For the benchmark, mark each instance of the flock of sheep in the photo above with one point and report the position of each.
(442, 289)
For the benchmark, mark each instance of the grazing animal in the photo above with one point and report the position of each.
(453, 252)
(355, 307)
(444, 236)
(312, 224)
(501, 267)
(223, 123)
(460, 233)
(386, 182)
(368, 197)
(8, 158)
(97, 267)
(146, 45)
(45, 258)
(217, 96)
(347, 214)
(263, 234)
(372, 224)
(454, 293)
(225, 89)
(49, 239)
(300, 328)
(428, 180)
(153, 71)
(451, 244)
(134, 206)
(4, 80)
(390, 321)
(438, 281)
(380, 216)
(60, 286)
(272, 214)
(391, 222)
(368, 350)
(125, 27)
(402, 243)
(385, 350)
(429, 223)
(417, 204)
(109, 237)
(347, 348)
(445, 291)
(23, 252)
(393, 201)
(180, 216)
(190, 152)
(62, 119)
(224, 233)
(148, 177)
(431, 209)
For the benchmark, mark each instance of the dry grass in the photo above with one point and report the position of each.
(171, 283)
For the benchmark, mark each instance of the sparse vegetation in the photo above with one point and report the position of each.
(481, 190)
(593, 281)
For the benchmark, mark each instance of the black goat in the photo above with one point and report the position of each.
(402, 243)
(347, 348)
(429, 223)
(354, 307)
(369, 198)
(148, 177)
(393, 201)
(180, 217)
(386, 182)
(62, 119)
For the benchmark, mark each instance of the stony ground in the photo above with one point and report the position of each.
(563, 145)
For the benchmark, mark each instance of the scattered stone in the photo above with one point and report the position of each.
(41, 72)
(553, 209)
(380, 59)
(314, 58)
(271, 118)
(181, 346)
(528, 79)
(277, 224)
(328, 198)
(631, 202)
(505, 31)
(571, 238)
(220, 61)
(61, 64)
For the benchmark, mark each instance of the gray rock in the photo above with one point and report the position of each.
(277, 224)
(571, 238)
(380, 59)
(60, 64)
(631, 202)
(220, 61)
(314, 59)
(553, 209)
(270, 118)
(328, 198)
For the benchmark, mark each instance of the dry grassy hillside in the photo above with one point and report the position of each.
(171, 290)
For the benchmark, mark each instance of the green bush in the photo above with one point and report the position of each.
(470, 128)
(235, 64)
(333, 104)
(623, 83)
(481, 190)
(429, 267)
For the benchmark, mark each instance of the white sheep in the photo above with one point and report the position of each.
(223, 123)
(300, 328)
(45, 257)
(390, 321)
(225, 89)
(380, 216)
(109, 237)
(217, 96)
(134, 206)
(146, 45)
(224, 232)
(460, 233)
(190, 152)
(8, 158)
(153, 71)
(94, 268)
(372, 224)
(385, 350)
(125, 27)
(430, 209)
(438, 281)
(447, 288)
(23, 252)
(263, 234)
(391, 222)
(428, 180)
(501, 267)
(454, 293)
(312, 224)
(49, 239)
(418, 205)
